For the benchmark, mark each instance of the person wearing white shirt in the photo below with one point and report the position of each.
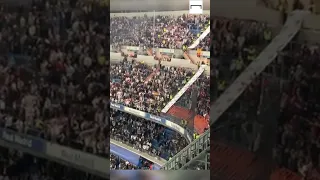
(32, 30)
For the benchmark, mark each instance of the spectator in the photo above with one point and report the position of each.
(146, 88)
(235, 44)
(159, 31)
(121, 164)
(145, 135)
(287, 6)
(297, 146)
(53, 72)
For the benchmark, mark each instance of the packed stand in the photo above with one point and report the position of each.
(235, 44)
(202, 84)
(53, 72)
(117, 163)
(173, 32)
(15, 165)
(298, 125)
(287, 6)
(145, 136)
(146, 88)
(240, 124)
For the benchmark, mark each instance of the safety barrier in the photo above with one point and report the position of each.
(182, 63)
(154, 118)
(176, 52)
(195, 150)
(290, 29)
(183, 90)
(133, 155)
(64, 155)
(202, 36)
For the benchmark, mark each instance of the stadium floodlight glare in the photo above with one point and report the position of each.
(195, 6)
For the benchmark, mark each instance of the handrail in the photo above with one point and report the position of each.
(183, 90)
(287, 33)
(159, 161)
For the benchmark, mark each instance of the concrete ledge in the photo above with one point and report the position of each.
(159, 161)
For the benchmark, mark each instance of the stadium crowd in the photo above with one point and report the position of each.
(159, 31)
(120, 164)
(146, 88)
(53, 69)
(291, 5)
(15, 165)
(298, 145)
(203, 101)
(117, 163)
(146, 136)
(235, 44)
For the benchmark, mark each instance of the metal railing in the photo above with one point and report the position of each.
(191, 154)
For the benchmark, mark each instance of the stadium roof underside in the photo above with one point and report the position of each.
(148, 6)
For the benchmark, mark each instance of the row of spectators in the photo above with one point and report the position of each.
(117, 163)
(298, 145)
(53, 70)
(235, 44)
(146, 136)
(146, 88)
(240, 124)
(202, 84)
(15, 165)
(159, 31)
(228, 36)
(291, 5)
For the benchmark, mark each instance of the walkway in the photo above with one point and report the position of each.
(199, 122)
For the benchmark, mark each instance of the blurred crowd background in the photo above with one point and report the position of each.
(53, 69)
(54, 61)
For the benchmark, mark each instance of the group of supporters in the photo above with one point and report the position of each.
(145, 135)
(277, 115)
(202, 84)
(291, 5)
(288, 90)
(117, 163)
(159, 31)
(146, 88)
(235, 44)
(298, 124)
(290, 83)
(149, 88)
(53, 69)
